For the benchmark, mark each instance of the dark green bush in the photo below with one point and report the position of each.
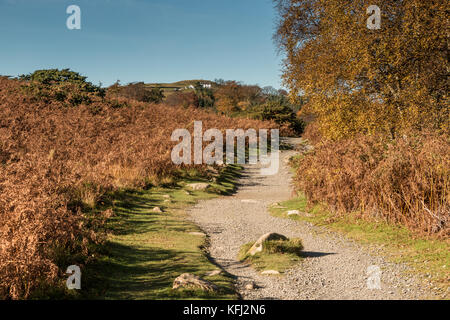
(205, 96)
(61, 85)
(280, 111)
(52, 77)
(60, 96)
(78, 98)
(156, 95)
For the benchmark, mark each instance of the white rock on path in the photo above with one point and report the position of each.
(270, 272)
(250, 286)
(293, 213)
(200, 234)
(198, 186)
(249, 201)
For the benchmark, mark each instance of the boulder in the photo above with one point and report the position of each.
(258, 246)
(191, 281)
(250, 286)
(249, 201)
(198, 186)
(157, 209)
(298, 213)
(270, 272)
(200, 234)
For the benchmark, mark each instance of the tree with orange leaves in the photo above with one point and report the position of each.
(359, 80)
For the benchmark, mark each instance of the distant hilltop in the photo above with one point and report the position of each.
(182, 85)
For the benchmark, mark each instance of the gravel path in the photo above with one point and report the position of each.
(333, 267)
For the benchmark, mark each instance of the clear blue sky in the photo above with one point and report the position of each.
(143, 40)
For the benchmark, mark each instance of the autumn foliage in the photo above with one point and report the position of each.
(358, 80)
(56, 159)
(405, 181)
(379, 100)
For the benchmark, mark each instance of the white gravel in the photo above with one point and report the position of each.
(333, 268)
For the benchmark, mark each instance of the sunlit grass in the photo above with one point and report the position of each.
(147, 250)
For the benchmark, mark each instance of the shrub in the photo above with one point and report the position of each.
(61, 85)
(404, 181)
(205, 96)
(280, 111)
(78, 98)
(156, 95)
(55, 77)
(60, 96)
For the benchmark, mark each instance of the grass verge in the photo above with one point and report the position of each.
(429, 257)
(146, 250)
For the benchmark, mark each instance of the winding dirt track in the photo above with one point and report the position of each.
(333, 267)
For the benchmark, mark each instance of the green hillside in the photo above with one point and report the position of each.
(183, 85)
